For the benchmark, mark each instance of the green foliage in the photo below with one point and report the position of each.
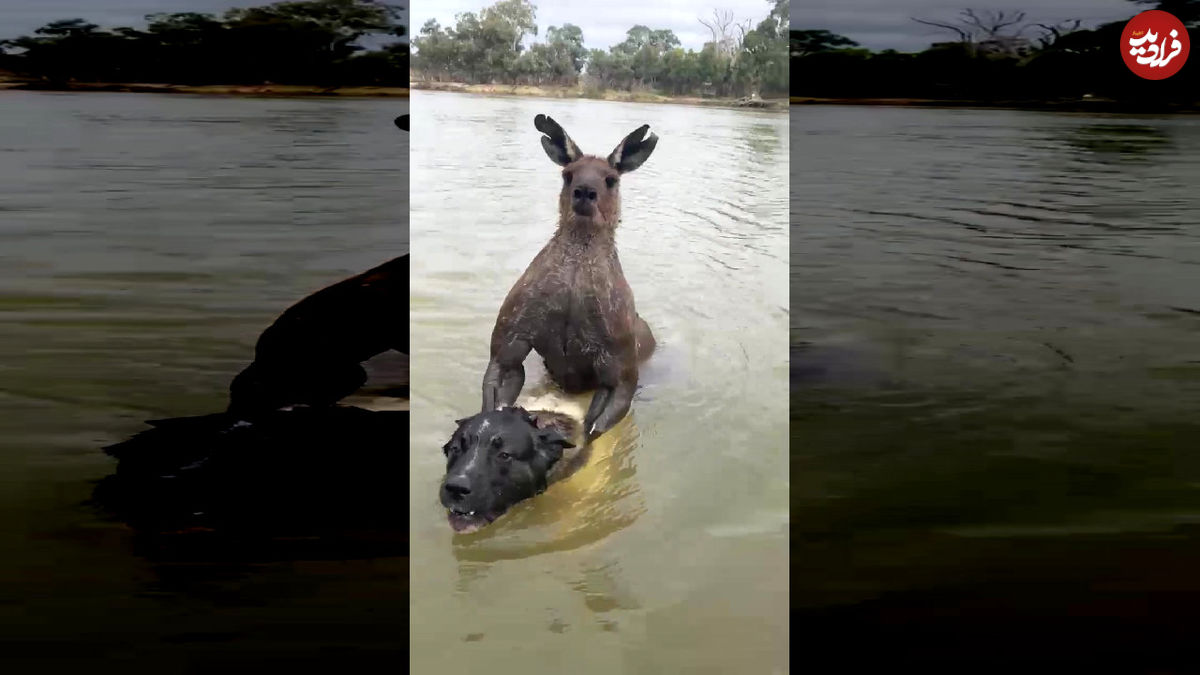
(299, 42)
(805, 42)
(483, 49)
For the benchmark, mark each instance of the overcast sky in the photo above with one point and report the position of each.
(878, 24)
(605, 22)
(887, 24)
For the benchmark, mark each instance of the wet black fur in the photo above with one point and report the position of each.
(497, 458)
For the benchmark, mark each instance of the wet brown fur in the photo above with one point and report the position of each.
(572, 304)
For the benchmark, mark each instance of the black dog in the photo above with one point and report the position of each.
(500, 457)
(573, 304)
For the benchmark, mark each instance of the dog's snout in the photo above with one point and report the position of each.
(457, 487)
(584, 193)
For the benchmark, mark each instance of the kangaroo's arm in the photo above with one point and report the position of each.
(512, 337)
(505, 375)
(617, 371)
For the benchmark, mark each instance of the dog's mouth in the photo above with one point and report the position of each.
(466, 522)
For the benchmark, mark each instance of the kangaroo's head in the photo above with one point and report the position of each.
(591, 191)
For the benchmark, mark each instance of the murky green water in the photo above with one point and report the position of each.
(996, 381)
(145, 241)
(669, 552)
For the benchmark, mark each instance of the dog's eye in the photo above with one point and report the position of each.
(611, 182)
(567, 176)
(504, 456)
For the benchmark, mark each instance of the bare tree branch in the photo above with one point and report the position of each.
(1052, 33)
(722, 37)
(965, 36)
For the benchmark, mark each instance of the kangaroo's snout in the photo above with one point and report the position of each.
(583, 199)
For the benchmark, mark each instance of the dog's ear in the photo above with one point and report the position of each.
(550, 443)
(528, 417)
(633, 150)
(558, 145)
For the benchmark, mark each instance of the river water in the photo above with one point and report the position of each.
(996, 377)
(145, 242)
(668, 552)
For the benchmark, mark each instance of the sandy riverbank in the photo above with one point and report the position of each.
(606, 95)
(282, 90)
(1098, 105)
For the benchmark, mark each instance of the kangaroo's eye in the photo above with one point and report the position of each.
(610, 182)
(566, 176)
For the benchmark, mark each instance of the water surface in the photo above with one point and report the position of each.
(668, 552)
(996, 377)
(145, 242)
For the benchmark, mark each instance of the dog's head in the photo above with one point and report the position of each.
(494, 460)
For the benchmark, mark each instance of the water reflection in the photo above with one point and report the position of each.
(1009, 276)
(145, 242)
(1128, 141)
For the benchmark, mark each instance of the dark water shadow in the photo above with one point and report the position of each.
(206, 505)
(1119, 141)
(762, 140)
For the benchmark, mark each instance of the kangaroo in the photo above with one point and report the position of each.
(572, 305)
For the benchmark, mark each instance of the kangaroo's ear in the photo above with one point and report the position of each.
(633, 150)
(558, 145)
(402, 122)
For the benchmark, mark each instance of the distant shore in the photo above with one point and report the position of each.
(1097, 105)
(776, 105)
(278, 90)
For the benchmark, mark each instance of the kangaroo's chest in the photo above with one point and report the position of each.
(570, 316)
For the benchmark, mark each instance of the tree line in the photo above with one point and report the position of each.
(490, 47)
(309, 42)
(992, 56)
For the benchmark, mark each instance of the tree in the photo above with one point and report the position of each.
(721, 28)
(805, 42)
(489, 48)
(517, 16)
(993, 31)
(303, 42)
(569, 38)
